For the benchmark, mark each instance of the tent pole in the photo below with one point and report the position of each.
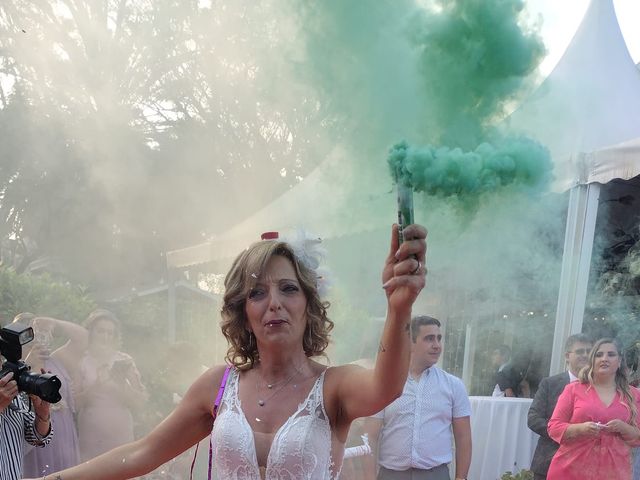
(576, 261)
(469, 355)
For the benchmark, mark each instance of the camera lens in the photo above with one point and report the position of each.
(43, 385)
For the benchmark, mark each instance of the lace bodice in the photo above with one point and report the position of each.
(301, 447)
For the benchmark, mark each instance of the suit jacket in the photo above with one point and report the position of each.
(540, 412)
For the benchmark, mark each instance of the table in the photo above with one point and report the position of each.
(501, 439)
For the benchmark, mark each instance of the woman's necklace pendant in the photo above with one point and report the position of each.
(280, 386)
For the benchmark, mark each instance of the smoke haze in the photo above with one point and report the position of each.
(137, 131)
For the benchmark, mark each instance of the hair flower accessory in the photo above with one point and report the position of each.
(309, 251)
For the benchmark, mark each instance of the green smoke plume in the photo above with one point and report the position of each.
(475, 56)
(443, 74)
(445, 172)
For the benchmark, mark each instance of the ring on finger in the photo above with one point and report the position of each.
(417, 269)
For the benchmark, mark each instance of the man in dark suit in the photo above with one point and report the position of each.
(507, 377)
(576, 353)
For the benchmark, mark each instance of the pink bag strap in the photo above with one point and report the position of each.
(216, 405)
(223, 383)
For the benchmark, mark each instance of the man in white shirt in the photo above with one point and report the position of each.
(413, 436)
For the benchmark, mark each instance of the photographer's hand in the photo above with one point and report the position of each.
(42, 410)
(8, 390)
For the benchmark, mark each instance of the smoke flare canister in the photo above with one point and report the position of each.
(405, 208)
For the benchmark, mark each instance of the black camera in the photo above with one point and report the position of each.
(43, 385)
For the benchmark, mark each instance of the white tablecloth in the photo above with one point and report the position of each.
(501, 439)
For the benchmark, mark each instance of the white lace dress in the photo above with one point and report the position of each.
(301, 447)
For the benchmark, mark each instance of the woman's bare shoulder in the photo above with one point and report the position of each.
(215, 372)
(206, 386)
(338, 374)
(346, 369)
(340, 384)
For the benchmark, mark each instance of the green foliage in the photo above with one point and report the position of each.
(521, 475)
(613, 301)
(43, 295)
(104, 102)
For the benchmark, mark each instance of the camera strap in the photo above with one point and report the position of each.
(216, 404)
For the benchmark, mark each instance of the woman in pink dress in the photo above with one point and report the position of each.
(596, 420)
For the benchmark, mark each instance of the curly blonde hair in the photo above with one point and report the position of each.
(622, 377)
(242, 278)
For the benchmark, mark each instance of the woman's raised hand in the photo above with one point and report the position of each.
(403, 276)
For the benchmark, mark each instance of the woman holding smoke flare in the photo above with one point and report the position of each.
(282, 414)
(596, 420)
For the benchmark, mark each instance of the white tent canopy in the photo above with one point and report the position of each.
(602, 166)
(587, 112)
(590, 101)
(324, 202)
